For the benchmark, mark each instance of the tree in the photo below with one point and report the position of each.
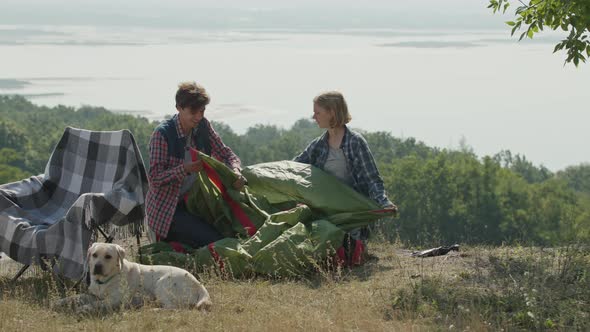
(521, 166)
(11, 136)
(11, 164)
(577, 177)
(568, 15)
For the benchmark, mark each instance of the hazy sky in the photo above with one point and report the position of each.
(301, 13)
(256, 3)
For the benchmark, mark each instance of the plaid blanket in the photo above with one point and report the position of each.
(92, 178)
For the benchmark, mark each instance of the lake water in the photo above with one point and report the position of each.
(437, 86)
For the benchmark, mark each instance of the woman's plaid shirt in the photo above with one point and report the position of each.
(166, 175)
(359, 162)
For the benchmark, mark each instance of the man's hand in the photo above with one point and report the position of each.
(194, 166)
(240, 182)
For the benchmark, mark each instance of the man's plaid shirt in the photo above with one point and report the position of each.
(359, 162)
(166, 175)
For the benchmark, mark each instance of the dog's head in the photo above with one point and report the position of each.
(105, 259)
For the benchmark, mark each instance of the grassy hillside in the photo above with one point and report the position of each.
(444, 197)
(477, 289)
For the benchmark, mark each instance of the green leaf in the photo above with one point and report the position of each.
(558, 47)
(530, 34)
(511, 23)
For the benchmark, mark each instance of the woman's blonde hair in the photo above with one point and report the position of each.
(334, 101)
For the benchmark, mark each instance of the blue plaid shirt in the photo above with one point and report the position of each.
(359, 162)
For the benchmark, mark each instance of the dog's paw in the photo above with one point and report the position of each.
(60, 304)
(204, 305)
(85, 310)
(67, 303)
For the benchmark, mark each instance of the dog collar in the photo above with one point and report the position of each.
(104, 282)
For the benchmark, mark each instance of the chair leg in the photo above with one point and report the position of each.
(20, 272)
(138, 246)
(108, 238)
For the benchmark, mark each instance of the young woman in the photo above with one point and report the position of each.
(344, 154)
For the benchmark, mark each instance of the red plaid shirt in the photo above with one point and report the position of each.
(166, 175)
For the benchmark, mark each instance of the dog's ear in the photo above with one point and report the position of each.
(89, 252)
(121, 254)
(86, 267)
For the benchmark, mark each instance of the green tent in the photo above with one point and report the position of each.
(288, 219)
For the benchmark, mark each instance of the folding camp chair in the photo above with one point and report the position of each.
(93, 180)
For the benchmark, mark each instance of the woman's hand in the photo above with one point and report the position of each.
(392, 207)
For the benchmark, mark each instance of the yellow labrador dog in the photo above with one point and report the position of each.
(115, 281)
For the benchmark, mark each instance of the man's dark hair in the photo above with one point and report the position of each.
(192, 95)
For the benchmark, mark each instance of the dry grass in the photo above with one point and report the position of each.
(476, 289)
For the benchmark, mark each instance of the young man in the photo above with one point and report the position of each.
(172, 172)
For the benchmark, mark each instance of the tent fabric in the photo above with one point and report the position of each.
(293, 181)
(213, 197)
(92, 178)
(288, 244)
(300, 213)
